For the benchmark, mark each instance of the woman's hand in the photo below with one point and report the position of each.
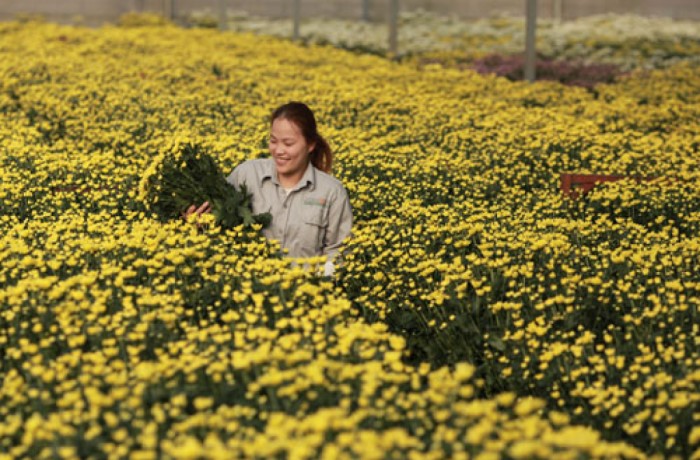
(196, 211)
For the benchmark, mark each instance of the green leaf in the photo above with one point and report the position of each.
(497, 343)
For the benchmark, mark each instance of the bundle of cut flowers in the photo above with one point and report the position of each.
(185, 176)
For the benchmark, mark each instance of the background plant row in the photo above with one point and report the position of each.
(626, 41)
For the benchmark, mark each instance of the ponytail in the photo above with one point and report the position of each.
(322, 155)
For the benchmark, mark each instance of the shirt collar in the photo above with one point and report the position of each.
(309, 177)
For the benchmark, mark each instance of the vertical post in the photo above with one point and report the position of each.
(365, 10)
(297, 19)
(222, 14)
(557, 10)
(393, 27)
(531, 27)
(169, 9)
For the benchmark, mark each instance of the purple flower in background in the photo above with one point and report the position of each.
(568, 73)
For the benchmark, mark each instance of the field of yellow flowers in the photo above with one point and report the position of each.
(478, 313)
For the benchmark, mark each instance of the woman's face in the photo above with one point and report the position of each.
(289, 149)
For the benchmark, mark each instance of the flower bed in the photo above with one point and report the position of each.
(513, 68)
(478, 311)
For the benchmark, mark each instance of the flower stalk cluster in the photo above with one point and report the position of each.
(187, 175)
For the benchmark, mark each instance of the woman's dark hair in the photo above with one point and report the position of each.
(302, 116)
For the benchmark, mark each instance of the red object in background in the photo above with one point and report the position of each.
(576, 185)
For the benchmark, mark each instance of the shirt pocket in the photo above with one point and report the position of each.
(315, 222)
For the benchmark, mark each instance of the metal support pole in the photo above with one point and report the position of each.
(297, 19)
(169, 9)
(393, 27)
(557, 10)
(221, 4)
(365, 10)
(531, 27)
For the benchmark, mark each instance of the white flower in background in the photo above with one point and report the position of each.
(623, 40)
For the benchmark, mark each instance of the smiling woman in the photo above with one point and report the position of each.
(311, 213)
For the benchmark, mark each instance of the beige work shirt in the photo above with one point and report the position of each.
(312, 220)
